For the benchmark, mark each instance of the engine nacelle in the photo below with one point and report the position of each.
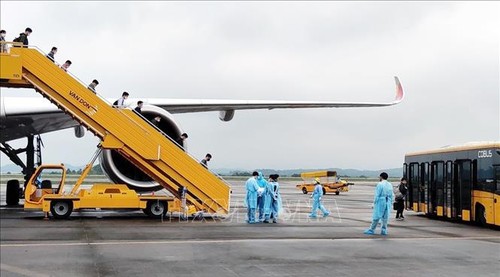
(79, 131)
(121, 171)
(226, 115)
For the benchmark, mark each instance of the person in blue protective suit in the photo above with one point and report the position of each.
(261, 195)
(382, 204)
(316, 196)
(251, 197)
(272, 206)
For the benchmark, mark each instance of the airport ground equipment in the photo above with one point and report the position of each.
(47, 191)
(457, 183)
(119, 129)
(329, 180)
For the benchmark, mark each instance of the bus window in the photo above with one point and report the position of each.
(497, 177)
(485, 176)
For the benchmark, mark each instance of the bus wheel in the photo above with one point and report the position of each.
(156, 209)
(61, 209)
(324, 191)
(12, 193)
(304, 190)
(480, 218)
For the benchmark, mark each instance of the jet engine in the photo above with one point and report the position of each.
(121, 171)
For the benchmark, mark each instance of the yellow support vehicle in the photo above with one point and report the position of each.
(328, 179)
(46, 191)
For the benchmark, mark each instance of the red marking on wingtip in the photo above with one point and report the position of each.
(399, 93)
(399, 90)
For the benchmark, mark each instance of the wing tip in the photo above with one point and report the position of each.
(399, 91)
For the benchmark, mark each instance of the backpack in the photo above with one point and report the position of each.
(20, 38)
(115, 103)
(397, 194)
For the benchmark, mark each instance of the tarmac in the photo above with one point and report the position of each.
(127, 243)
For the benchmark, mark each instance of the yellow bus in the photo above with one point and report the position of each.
(456, 182)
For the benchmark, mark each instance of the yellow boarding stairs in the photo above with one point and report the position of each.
(119, 129)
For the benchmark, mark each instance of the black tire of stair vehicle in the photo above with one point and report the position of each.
(146, 212)
(480, 219)
(337, 192)
(324, 191)
(12, 193)
(304, 190)
(156, 209)
(61, 209)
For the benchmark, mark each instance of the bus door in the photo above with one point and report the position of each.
(496, 201)
(435, 201)
(462, 193)
(448, 189)
(431, 191)
(424, 189)
(413, 187)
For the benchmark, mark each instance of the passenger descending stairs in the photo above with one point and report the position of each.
(119, 129)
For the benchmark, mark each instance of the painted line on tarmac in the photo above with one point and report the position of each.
(21, 271)
(372, 237)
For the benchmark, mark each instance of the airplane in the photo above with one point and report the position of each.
(28, 117)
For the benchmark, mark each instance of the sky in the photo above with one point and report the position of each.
(446, 55)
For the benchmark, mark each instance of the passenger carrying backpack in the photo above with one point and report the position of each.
(403, 189)
(18, 39)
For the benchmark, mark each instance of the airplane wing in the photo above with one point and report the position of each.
(207, 105)
(22, 116)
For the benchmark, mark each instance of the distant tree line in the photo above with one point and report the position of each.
(296, 175)
(96, 170)
(240, 173)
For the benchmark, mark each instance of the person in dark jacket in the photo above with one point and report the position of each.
(399, 201)
(205, 161)
(51, 54)
(138, 109)
(23, 37)
(181, 139)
